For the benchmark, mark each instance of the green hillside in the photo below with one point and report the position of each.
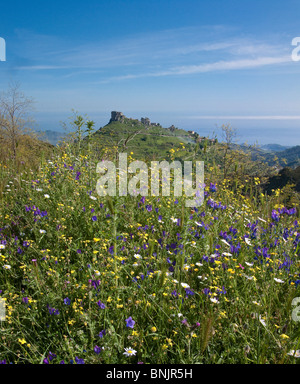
(285, 176)
(274, 147)
(289, 157)
(146, 141)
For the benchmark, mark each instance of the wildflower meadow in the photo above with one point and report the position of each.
(86, 279)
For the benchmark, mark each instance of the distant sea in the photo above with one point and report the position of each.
(261, 132)
(258, 131)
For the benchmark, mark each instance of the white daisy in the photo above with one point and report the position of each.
(249, 277)
(137, 256)
(294, 353)
(225, 242)
(185, 285)
(247, 240)
(2, 246)
(249, 264)
(213, 300)
(47, 196)
(262, 321)
(227, 254)
(42, 231)
(129, 352)
(278, 280)
(259, 218)
(6, 266)
(202, 278)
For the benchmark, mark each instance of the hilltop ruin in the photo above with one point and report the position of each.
(119, 116)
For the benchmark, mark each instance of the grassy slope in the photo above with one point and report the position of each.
(65, 284)
(30, 151)
(148, 142)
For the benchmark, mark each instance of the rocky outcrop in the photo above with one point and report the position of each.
(116, 116)
(146, 121)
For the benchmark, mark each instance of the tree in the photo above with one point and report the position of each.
(229, 135)
(14, 116)
(76, 132)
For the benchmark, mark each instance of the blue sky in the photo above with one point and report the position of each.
(195, 64)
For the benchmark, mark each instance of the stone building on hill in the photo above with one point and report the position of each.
(118, 116)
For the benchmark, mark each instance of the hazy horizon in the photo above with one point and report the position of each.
(250, 130)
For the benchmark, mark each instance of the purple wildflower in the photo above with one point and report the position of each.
(95, 283)
(53, 311)
(67, 301)
(97, 349)
(130, 322)
(275, 216)
(51, 356)
(101, 305)
(102, 333)
(78, 360)
(212, 187)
